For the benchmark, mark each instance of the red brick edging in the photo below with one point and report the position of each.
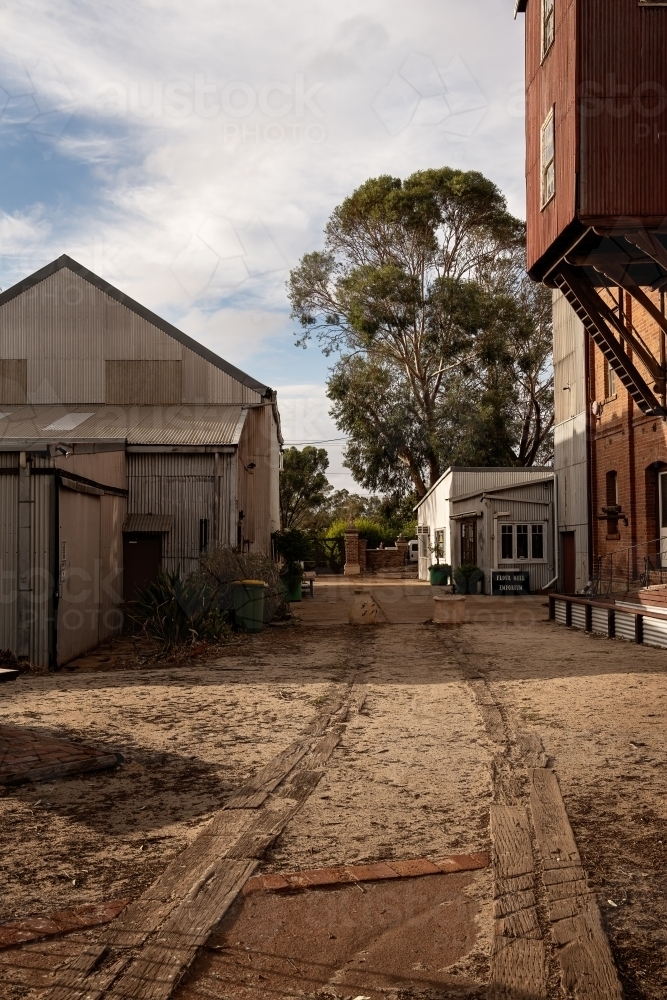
(320, 877)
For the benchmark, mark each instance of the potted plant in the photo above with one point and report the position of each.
(466, 578)
(294, 546)
(439, 573)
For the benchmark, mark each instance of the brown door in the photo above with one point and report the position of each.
(569, 562)
(469, 543)
(142, 555)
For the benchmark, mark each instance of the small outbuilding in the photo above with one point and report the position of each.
(125, 446)
(498, 519)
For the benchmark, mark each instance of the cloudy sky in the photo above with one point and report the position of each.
(190, 151)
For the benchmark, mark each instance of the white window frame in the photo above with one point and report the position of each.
(548, 26)
(548, 157)
(610, 385)
(515, 560)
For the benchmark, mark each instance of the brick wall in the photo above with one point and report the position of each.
(631, 444)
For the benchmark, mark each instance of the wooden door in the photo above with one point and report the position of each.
(569, 571)
(468, 543)
(142, 556)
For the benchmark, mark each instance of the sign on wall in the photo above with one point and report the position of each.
(505, 583)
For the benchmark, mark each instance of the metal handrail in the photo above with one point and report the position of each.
(602, 582)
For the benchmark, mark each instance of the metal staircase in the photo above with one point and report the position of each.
(583, 301)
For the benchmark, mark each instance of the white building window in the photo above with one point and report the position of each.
(548, 25)
(522, 543)
(548, 159)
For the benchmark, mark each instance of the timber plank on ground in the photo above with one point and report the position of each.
(518, 956)
(587, 966)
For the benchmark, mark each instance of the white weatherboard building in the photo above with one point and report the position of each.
(501, 520)
(124, 446)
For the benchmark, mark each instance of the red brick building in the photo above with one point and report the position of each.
(596, 171)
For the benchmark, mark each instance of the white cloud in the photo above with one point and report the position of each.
(220, 135)
(304, 412)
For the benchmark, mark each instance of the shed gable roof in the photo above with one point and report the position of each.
(67, 262)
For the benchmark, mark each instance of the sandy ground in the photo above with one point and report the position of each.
(411, 778)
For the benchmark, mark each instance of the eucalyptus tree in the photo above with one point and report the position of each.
(417, 292)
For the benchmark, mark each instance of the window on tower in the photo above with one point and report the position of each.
(548, 25)
(548, 159)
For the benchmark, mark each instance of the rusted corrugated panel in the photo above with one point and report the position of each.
(623, 68)
(143, 383)
(9, 512)
(138, 425)
(550, 84)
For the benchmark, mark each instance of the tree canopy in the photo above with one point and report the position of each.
(304, 486)
(442, 343)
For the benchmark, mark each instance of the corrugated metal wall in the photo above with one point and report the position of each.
(570, 455)
(527, 504)
(67, 328)
(14, 381)
(258, 488)
(42, 496)
(184, 486)
(548, 83)
(9, 513)
(623, 162)
(143, 383)
(465, 481)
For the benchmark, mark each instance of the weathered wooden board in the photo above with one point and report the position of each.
(518, 969)
(532, 749)
(157, 970)
(556, 841)
(518, 957)
(258, 788)
(512, 848)
(71, 979)
(586, 963)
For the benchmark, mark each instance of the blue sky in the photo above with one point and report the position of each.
(190, 153)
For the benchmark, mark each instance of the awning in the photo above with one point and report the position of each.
(148, 522)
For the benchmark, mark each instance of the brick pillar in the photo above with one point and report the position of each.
(362, 555)
(352, 567)
(402, 545)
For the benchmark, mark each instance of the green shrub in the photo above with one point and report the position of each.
(466, 578)
(373, 531)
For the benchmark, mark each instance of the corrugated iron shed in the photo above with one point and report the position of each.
(185, 426)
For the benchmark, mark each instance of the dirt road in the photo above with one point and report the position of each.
(437, 734)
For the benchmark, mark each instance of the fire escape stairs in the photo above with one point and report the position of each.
(597, 319)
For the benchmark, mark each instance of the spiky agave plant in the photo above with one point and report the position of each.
(177, 611)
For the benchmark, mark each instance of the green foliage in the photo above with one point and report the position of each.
(373, 531)
(304, 487)
(176, 611)
(293, 545)
(466, 578)
(221, 567)
(443, 343)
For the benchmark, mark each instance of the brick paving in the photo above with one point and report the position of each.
(26, 755)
